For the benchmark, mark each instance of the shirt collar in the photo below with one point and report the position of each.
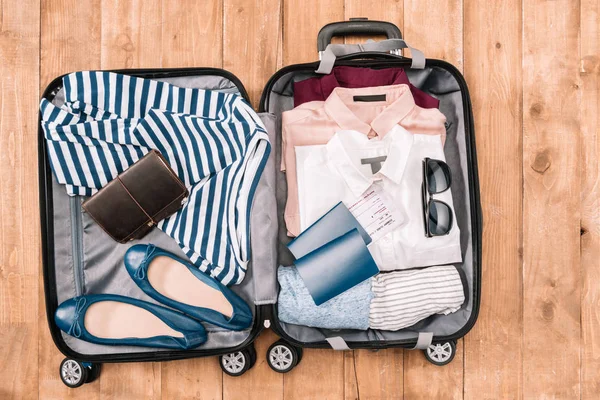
(393, 114)
(397, 144)
(400, 99)
(355, 77)
(337, 110)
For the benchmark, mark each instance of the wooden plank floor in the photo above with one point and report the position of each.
(533, 68)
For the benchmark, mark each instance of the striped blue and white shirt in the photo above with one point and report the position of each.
(214, 141)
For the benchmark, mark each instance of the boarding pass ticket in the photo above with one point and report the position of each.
(376, 213)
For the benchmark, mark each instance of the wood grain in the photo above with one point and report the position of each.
(19, 227)
(320, 375)
(444, 42)
(436, 28)
(192, 34)
(70, 41)
(374, 374)
(493, 350)
(131, 34)
(589, 75)
(302, 20)
(70, 37)
(251, 42)
(197, 378)
(131, 381)
(551, 203)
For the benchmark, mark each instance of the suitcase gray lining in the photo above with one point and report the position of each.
(443, 85)
(103, 270)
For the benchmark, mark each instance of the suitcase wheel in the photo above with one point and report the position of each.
(74, 373)
(282, 357)
(440, 353)
(93, 372)
(237, 363)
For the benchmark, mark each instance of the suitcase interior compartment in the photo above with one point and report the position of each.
(443, 81)
(82, 259)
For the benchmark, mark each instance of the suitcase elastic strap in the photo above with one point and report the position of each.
(337, 343)
(335, 50)
(424, 340)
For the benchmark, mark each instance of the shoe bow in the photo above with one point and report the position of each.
(143, 269)
(75, 329)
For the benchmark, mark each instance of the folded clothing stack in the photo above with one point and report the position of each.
(389, 301)
(371, 141)
(403, 298)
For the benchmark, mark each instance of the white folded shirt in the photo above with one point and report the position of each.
(328, 174)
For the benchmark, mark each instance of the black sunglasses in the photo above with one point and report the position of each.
(437, 215)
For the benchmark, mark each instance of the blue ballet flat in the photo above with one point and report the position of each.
(70, 318)
(203, 290)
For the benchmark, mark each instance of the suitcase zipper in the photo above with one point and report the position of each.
(77, 242)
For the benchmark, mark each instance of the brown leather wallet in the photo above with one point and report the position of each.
(130, 205)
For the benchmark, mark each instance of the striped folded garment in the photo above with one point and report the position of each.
(389, 301)
(403, 298)
(215, 143)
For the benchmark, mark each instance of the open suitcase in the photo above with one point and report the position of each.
(78, 258)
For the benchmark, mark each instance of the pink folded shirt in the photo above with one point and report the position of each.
(316, 122)
(319, 88)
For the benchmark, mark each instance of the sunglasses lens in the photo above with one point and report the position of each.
(438, 176)
(440, 218)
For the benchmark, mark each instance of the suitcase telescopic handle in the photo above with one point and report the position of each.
(333, 51)
(356, 26)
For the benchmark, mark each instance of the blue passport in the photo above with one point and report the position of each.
(335, 223)
(336, 267)
(332, 255)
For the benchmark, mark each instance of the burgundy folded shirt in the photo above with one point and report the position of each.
(319, 88)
